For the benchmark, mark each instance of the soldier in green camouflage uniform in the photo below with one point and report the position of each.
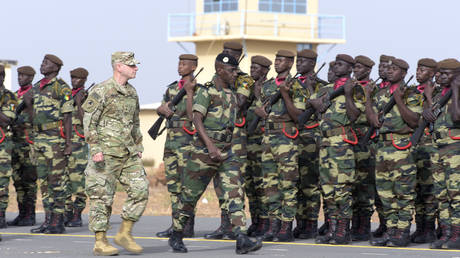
(446, 158)
(8, 105)
(52, 119)
(214, 115)
(242, 88)
(425, 203)
(280, 151)
(111, 126)
(395, 165)
(180, 135)
(309, 194)
(364, 186)
(253, 178)
(24, 173)
(79, 158)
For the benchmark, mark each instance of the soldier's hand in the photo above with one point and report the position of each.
(398, 93)
(214, 153)
(369, 89)
(28, 98)
(68, 150)
(374, 121)
(79, 98)
(285, 86)
(324, 103)
(98, 157)
(139, 154)
(428, 115)
(260, 112)
(189, 86)
(348, 87)
(165, 110)
(429, 89)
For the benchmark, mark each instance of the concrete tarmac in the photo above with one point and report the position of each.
(18, 242)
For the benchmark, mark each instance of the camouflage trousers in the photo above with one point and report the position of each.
(337, 174)
(395, 177)
(5, 170)
(239, 149)
(51, 165)
(76, 171)
(253, 178)
(309, 194)
(101, 185)
(176, 154)
(364, 186)
(425, 202)
(446, 177)
(281, 175)
(199, 171)
(24, 173)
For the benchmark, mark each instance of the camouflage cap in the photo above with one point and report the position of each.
(261, 60)
(345, 58)
(233, 45)
(28, 70)
(79, 72)
(385, 58)
(449, 63)
(126, 58)
(400, 63)
(285, 53)
(54, 59)
(188, 57)
(307, 53)
(364, 60)
(428, 62)
(226, 59)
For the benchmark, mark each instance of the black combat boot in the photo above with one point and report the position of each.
(18, 218)
(454, 240)
(401, 238)
(445, 236)
(263, 227)
(29, 216)
(272, 230)
(168, 231)
(2, 219)
(310, 230)
(355, 219)
(323, 229)
(383, 240)
(325, 239)
(418, 236)
(56, 224)
(44, 225)
(429, 231)
(224, 231)
(75, 221)
(363, 233)
(244, 245)
(254, 225)
(341, 235)
(176, 243)
(285, 232)
(189, 228)
(381, 229)
(68, 216)
(300, 226)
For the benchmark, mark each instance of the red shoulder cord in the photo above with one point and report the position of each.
(242, 123)
(344, 137)
(290, 136)
(400, 147)
(312, 126)
(61, 130)
(453, 137)
(27, 137)
(3, 135)
(374, 134)
(76, 131)
(187, 130)
(262, 129)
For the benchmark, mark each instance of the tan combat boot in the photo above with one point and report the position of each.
(102, 247)
(125, 239)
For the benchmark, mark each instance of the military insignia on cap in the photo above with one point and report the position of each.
(225, 59)
(390, 62)
(12, 107)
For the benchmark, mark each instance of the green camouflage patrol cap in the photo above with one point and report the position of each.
(126, 58)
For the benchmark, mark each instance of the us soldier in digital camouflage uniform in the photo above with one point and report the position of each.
(180, 135)
(309, 194)
(111, 126)
(253, 178)
(364, 185)
(446, 158)
(425, 203)
(280, 152)
(336, 157)
(24, 173)
(214, 115)
(395, 173)
(242, 87)
(8, 105)
(52, 119)
(79, 158)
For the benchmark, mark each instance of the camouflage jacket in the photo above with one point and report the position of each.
(8, 104)
(23, 119)
(445, 123)
(51, 101)
(302, 91)
(111, 120)
(361, 123)
(180, 112)
(77, 124)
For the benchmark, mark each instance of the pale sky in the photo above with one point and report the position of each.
(85, 33)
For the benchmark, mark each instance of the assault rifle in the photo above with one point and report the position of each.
(315, 76)
(437, 110)
(154, 131)
(386, 109)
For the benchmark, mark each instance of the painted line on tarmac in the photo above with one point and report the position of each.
(232, 241)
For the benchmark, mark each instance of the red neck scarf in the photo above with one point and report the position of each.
(340, 82)
(43, 82)
(445, 90)
(75, 91)
(393, 87)
(421, 88)
(384, 85)
(363, 83)
(278, 81)
(180, 84)
(23, 90)
(302, 78)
